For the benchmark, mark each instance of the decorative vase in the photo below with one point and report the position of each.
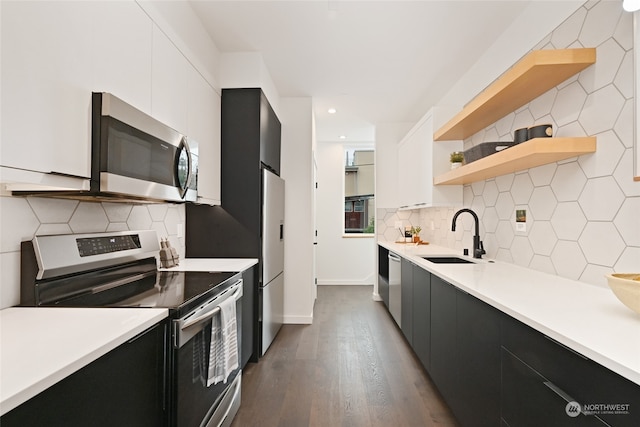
(416, 239)
(456, 165)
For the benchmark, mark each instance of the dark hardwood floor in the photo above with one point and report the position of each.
(351, 367)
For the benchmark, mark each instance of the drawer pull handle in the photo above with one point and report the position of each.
(557, 390)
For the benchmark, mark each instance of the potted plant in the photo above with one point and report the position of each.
(415, 231)
(456, 158)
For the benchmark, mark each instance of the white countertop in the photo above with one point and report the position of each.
(214, 264)
(586, 318)
(41, 346)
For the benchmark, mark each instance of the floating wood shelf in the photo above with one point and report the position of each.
(529, 78)
(529, 154)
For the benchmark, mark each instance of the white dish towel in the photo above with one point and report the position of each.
(223, 353)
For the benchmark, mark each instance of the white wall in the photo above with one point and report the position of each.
(340, 260)
(296, 115)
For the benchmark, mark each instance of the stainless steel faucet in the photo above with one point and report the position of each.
(478, 247)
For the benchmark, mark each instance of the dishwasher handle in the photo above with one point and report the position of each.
(393, 257)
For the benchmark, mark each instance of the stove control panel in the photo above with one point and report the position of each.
(89, 246)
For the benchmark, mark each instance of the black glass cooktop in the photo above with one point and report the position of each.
(177, 291)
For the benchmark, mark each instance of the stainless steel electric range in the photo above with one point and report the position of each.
(120, 270)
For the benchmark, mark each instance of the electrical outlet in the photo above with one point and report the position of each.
(433, 226)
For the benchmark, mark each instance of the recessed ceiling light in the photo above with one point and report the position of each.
(631, 5)
(332, 110)
(343, 137)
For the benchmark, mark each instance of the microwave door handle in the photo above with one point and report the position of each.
(184, 147)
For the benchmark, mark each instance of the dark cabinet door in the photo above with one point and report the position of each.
(250, 333)
(443, 337)
(270, 130)
(478, 365)
(529, 399)
(422, 315)
(574, 375)
(125, 387)
(383, 275)
(406, 286)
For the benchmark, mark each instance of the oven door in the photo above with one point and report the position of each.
(197, 405)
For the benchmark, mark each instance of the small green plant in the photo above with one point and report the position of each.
(416, 230)
(371, 228)
(457, 157)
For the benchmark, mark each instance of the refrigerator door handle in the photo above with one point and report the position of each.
(281, 231)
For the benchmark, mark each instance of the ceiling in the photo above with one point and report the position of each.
(373, 61)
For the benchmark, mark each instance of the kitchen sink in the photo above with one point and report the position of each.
(447, 260)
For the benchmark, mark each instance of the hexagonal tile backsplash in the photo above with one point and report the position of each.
(583, 214)
(21, 218)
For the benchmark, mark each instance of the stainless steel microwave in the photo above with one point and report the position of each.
(134, 156)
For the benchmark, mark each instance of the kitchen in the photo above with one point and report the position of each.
(603, 174)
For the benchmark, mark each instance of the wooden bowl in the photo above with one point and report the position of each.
(626, 286)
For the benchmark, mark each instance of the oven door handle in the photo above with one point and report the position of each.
(184, 324)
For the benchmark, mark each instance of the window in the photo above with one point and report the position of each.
(359, 206)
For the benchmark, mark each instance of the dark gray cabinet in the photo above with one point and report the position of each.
(383, 275)
(125, 387)
(443, 338)
(250, 332)
(477, 388)
(422, 315)
(494, 370)
(551, 374)
(406, 286)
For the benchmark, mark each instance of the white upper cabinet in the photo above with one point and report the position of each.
(203, 114)
(54, 54)
(170, 72)
(419, 160)
(46, 87)
(122, 55)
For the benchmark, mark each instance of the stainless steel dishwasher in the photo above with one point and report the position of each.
(395, 293)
